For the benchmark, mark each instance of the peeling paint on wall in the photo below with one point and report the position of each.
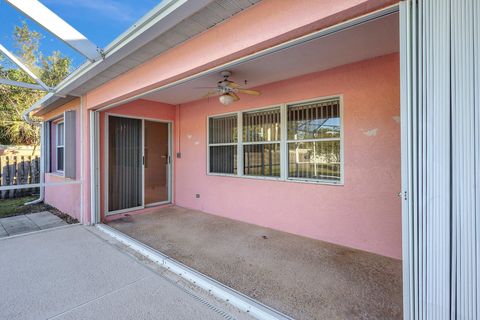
(371, 132)
(396, 119)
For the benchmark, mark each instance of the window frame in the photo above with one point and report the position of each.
(57, 146)
(246, 143)
(283, 143)
(222, 144)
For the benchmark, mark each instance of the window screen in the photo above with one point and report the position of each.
(314, 140)
(300, 141)
(222, 144)
(261, 143)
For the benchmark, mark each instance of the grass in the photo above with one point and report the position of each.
(14, 207)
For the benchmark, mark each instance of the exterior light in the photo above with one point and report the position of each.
(225, 99)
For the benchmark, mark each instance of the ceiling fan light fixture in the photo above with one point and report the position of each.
(226, 99)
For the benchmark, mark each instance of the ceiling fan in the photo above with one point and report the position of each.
(227, 90)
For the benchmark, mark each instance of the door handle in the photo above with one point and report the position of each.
(167, 158)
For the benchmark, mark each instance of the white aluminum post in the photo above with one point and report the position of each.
(57, 26)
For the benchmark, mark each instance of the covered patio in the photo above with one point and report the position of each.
(288, 197)
(301, 277)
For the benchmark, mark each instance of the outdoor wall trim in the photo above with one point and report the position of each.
(82, 150)
(38, 185)
(277, 48)
(221, 291)
(94, 119)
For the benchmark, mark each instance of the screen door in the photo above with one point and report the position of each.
(124, 163)
(157, 162)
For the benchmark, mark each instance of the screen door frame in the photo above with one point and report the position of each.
(169, 168)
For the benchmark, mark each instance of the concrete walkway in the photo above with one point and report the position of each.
(28, 223)
(76, 272)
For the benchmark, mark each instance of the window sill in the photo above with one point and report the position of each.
(56, 174)
(279, 179)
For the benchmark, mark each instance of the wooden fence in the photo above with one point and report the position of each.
(17, 170)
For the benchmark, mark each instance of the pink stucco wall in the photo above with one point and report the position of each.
(364, 213)
(65, 197)
(274, 22)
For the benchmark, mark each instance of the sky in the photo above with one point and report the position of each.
(101, 21)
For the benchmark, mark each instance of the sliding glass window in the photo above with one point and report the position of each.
(261, 143)
(313, 139)
(222, 144)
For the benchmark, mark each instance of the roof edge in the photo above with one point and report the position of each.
(158, 20)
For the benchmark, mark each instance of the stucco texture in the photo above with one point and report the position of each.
(364, 213)
(65, 197)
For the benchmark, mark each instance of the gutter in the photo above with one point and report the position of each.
(36, 105)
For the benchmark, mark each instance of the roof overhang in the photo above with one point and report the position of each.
(372, 35)
(167, 25)
(362, 40)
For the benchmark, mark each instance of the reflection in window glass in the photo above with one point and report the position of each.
(314, 131)
(314, 160)
(262, 160)
(261, 125)
(315, 120)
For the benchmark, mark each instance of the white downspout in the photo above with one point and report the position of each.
(42, 167)
(26, 117)
(42, 160)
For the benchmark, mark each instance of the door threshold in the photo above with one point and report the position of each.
(158, 204)
(218, 289)
(140, 210)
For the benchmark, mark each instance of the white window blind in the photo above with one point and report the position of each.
(222, 144)
(261, 143)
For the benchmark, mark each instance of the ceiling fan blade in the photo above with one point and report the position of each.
(233, 85)
(234, 96)
(251, 92)
(205, 88)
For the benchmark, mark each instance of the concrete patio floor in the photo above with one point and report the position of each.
(28, 223)
(304, 278)
(77, 272)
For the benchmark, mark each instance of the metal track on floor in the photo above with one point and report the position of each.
(218, 289)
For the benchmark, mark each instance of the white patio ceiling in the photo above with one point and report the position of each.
(371, 39)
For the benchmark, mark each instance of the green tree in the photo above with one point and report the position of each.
(15, 100)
